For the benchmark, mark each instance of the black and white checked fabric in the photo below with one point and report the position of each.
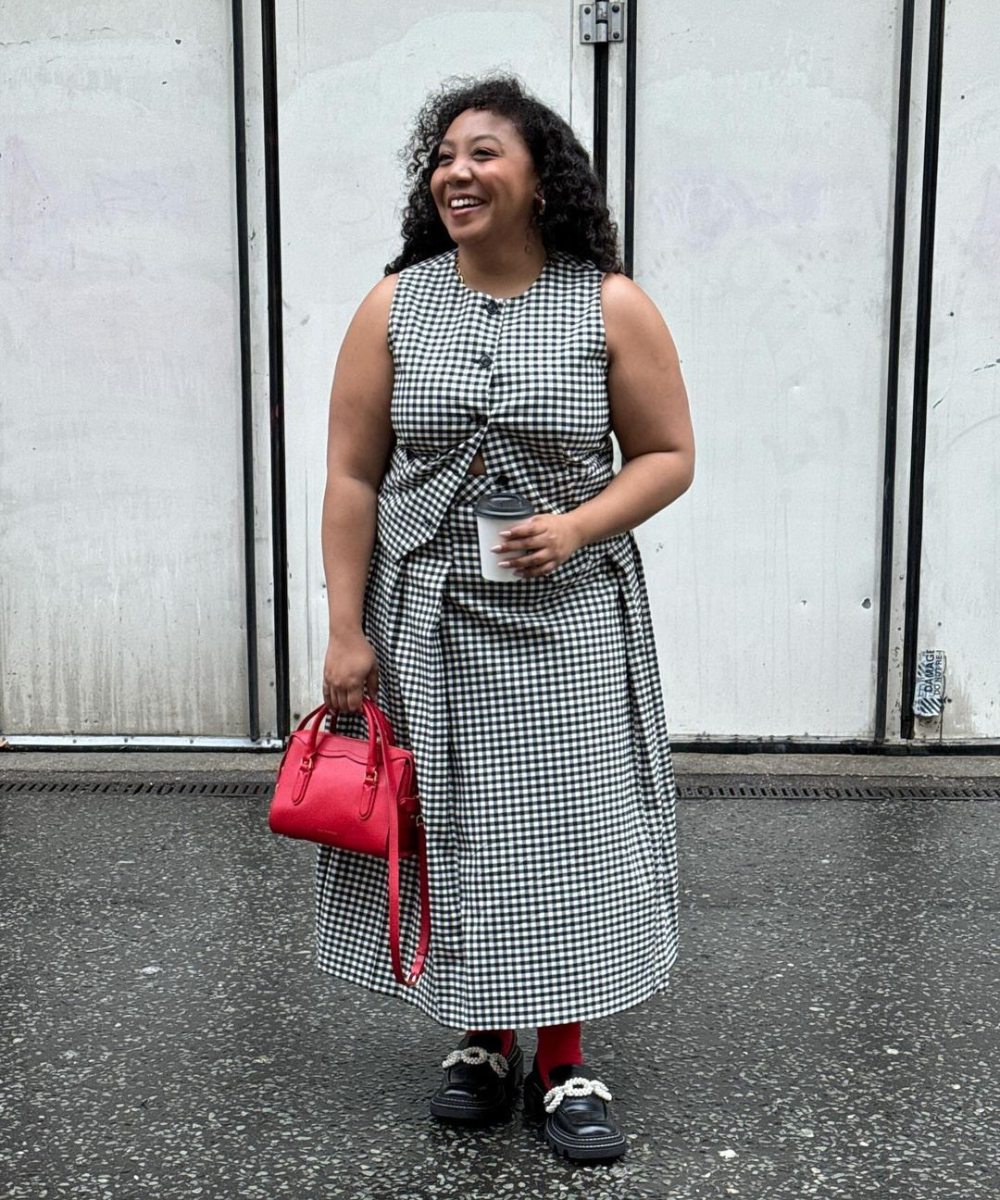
(534, 709)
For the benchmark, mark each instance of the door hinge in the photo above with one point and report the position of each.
(602, 22)
(928, 696)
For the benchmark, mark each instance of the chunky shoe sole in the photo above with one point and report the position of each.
(462, 1114)
(589, 1149)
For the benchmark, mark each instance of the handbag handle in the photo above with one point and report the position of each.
(317, 716)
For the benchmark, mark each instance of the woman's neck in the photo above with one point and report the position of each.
(502, 270)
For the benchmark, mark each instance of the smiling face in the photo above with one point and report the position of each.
(484, 183)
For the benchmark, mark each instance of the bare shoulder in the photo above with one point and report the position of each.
(379, 300)
(631, 318)
(385, 289)
(618, 289)
(369, 326)
(623, 301)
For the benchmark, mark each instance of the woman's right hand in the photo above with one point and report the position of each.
(351, 666)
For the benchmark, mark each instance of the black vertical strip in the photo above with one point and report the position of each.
(601, 113)
(276, 371)
(918, 443)
(246, 375)
(892, 383)
(631, 51)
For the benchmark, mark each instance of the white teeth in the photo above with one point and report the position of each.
(464, 202)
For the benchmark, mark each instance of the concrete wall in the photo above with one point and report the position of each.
(764, 205)
(960, 577)
(121, 608)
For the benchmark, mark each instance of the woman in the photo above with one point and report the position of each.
(497, 354)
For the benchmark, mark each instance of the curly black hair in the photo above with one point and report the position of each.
(576, 218)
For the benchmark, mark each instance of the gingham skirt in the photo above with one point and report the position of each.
(534, 713)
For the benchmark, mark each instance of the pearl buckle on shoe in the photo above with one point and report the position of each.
(475, 1056)
(574, 1087)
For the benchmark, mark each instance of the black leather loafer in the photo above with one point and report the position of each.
(480, 1083)
(579, 1125)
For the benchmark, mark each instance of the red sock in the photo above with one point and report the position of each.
(506, 1037)
(558, 1045)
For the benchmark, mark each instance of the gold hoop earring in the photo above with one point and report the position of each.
(541, 205)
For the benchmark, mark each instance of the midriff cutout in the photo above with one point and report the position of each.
(477, 467)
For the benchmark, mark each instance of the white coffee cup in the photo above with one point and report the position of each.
(494, 513)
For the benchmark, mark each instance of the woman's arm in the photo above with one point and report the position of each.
(649, 414)
(359, 443)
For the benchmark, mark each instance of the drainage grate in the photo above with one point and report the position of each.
(134, 787)
(690, 788)
(887, 789)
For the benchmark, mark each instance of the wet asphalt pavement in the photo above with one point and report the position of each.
(831, 1030)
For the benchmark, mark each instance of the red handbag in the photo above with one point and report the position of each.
(360, 796)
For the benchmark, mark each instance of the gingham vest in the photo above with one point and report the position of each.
(522, 380)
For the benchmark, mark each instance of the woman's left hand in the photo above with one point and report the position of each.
(550, 537)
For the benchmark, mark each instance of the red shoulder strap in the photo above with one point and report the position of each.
(416, 970)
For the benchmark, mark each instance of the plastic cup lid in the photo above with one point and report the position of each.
(504, 504)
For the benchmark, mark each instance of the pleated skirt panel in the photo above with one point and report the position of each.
(552, 852)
